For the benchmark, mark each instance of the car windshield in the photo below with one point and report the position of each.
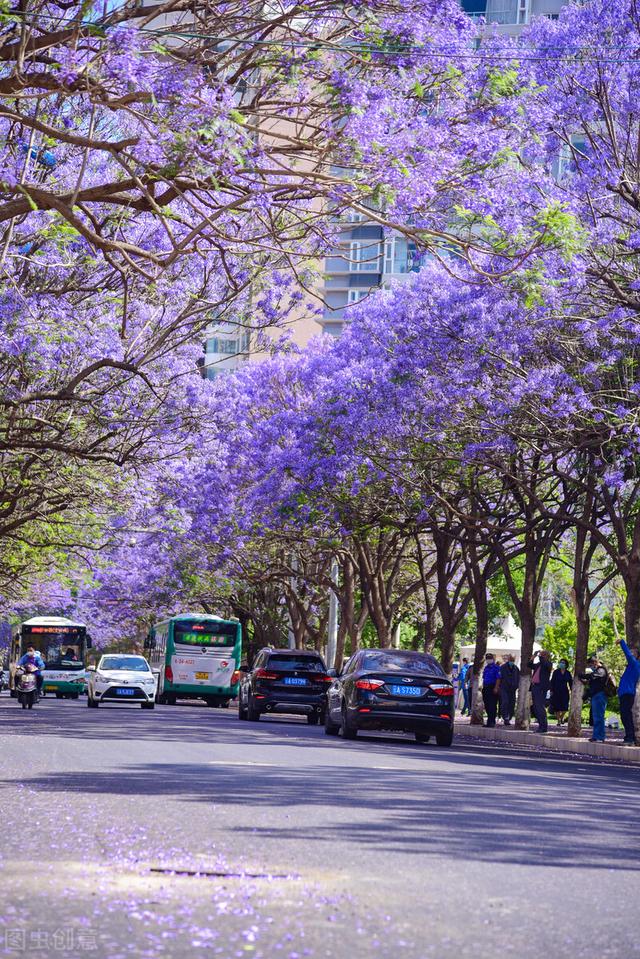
(305, 663)
(135, 664)
(401, 661)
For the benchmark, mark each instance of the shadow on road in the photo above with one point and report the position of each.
(474, 802)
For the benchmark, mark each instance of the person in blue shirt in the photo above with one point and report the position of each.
(627, 691)
(33, 656)
(491, 688)
(463, 687)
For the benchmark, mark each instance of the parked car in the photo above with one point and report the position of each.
(285, 681)
(393, 689)
(121, 678)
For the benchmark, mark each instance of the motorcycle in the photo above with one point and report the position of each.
(27, 686)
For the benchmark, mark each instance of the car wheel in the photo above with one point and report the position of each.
(59, 696)
(445, 738)
(312, 719)
(242, 710)
(349, 731)
(253, 713)
(330, 728)
(422, 737)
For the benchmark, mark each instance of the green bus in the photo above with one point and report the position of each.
(196, 656)
(63, 646)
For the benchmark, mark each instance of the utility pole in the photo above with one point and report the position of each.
(291, 634)
(332, 626)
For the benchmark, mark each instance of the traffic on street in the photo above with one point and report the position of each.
(186, 832)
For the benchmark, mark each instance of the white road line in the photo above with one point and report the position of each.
(224, 762)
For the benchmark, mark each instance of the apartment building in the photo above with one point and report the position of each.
(364, 258)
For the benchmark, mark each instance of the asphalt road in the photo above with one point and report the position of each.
(183, 832)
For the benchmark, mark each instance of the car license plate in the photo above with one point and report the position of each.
(202, 675)
(406, 690)
(294, 681)
(125, 692)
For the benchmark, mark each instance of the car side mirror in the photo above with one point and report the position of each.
(244, 667)
(91, 669)
(332, 672)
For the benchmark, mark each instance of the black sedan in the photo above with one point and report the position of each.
(285, 681)
(393, 689)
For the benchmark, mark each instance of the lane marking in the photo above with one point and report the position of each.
(223, 762)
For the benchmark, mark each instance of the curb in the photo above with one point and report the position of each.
(560, 744)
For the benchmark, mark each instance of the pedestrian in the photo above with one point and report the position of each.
(540, 679)
(561, 683)
(491, 688)
(597, 679)
(627, 691)
(463, 688)
(509, 681)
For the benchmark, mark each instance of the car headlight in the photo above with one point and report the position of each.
(150, 682)
(102, 679)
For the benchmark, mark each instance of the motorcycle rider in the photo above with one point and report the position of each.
(33, 657)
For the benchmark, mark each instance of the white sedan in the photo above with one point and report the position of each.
(121, 678)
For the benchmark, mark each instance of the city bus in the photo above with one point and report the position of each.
(196, 656)
(63, 646)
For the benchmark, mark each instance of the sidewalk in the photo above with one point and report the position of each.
(554, 739)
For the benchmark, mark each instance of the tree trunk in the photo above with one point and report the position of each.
(374, 589)
(447, 647)
(583, 625)
(430, 632)
(482, 635)
(632, 605)
(477, 706)
(528, 626)
(340, 642)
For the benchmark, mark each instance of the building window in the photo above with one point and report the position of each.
(356, 295)
(400, 255)
(364, 257)
(508, 11)
(569, 157)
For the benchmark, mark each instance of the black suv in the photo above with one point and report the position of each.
(285, 681)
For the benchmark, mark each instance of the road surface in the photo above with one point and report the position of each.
(184, 832)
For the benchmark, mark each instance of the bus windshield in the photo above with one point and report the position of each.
(67, 655)
(59, 648)
(205, 634)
